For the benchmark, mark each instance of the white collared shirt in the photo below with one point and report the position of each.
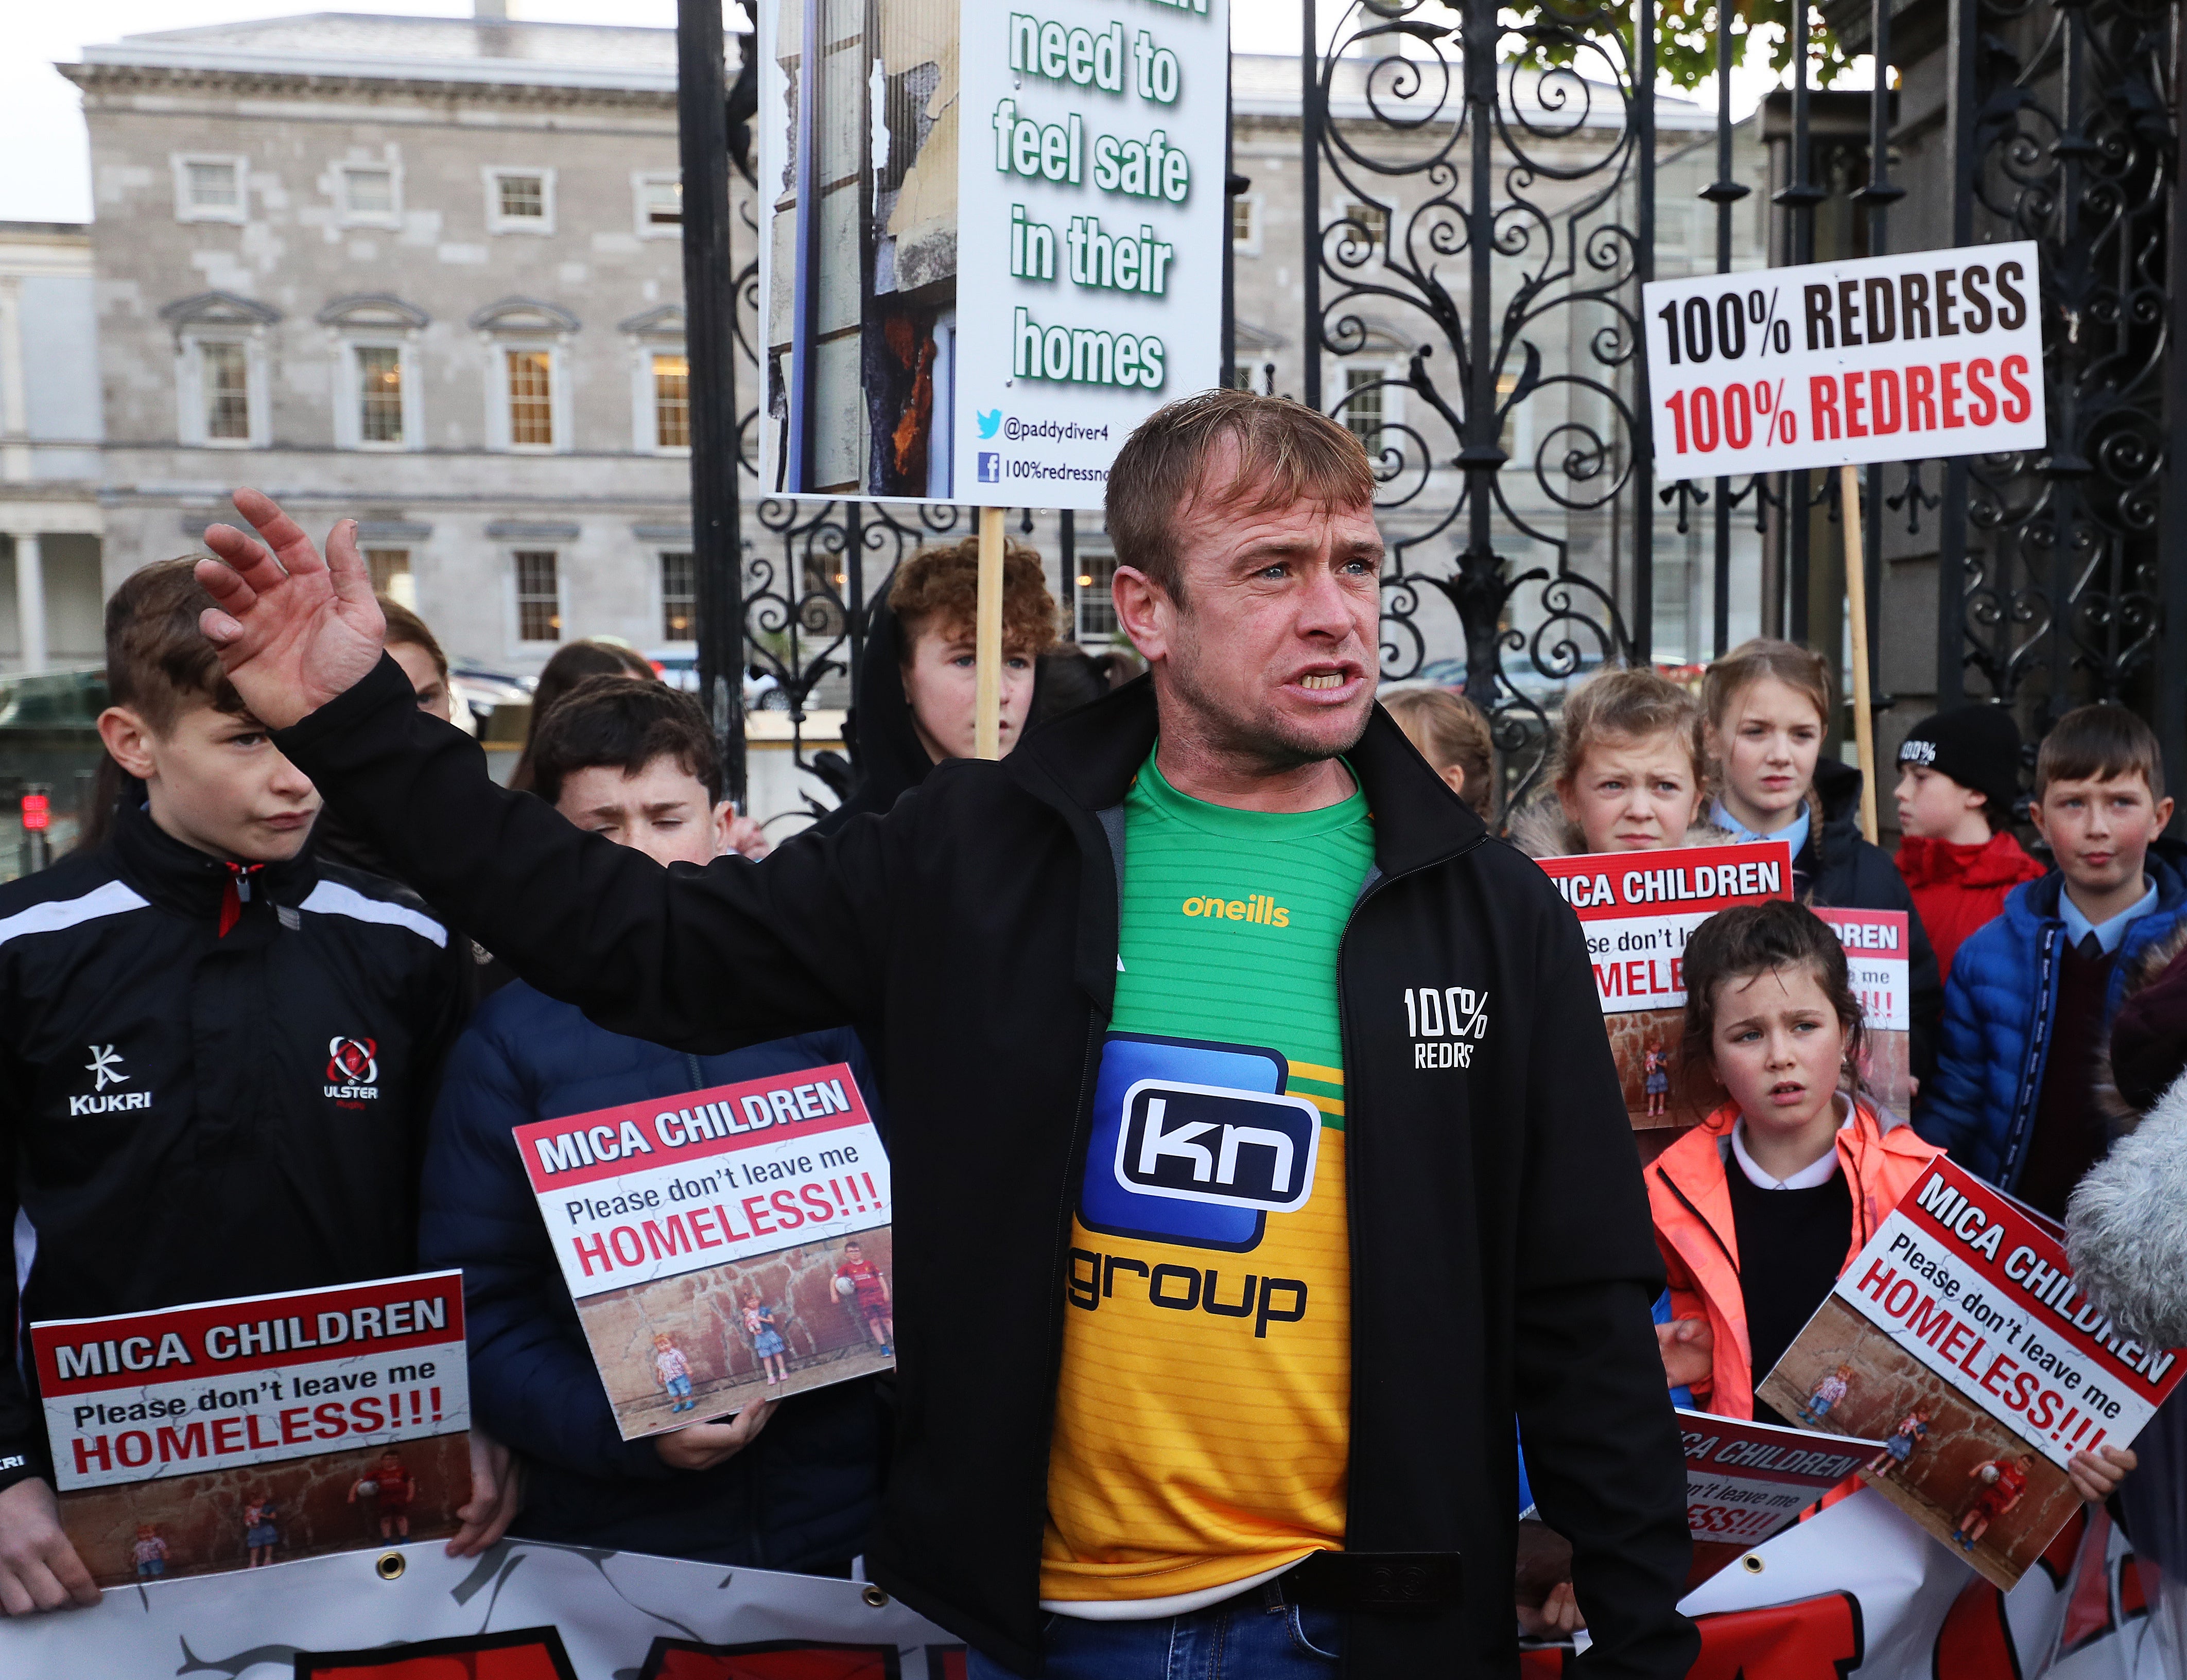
(1794, 834)
(2109, 933)
(1816, 1171)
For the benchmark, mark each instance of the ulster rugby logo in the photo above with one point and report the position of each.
(352, 1068)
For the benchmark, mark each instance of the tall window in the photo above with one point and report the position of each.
(379, 393)
(1097, 608)
(538, 595)
(680, 598)
(213, 185)
(227, 385)
(390, 575)
(1363, 405)
(1246, 221)
(1370, 221)
(660, 202)
(531, 398)
(523, 198)
(368, 192)
(672, 401)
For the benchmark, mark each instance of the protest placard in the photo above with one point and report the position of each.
(238, 1433)
(1879, 968)
(1964, 1346)
(992, 240)
(1745, 1481)
(1879, 359)
(722, 1246)
(1638, 909)
(1834, 364)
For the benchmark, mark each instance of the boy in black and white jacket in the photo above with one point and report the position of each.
(216, 1057)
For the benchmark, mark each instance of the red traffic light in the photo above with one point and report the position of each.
(38, 811)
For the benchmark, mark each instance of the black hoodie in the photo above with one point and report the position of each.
(1839, 867)
(1503, 1258)
(885, 746)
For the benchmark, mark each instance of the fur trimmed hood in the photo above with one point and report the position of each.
(2124, 1233)
(1540, 829)
(2119, 1114)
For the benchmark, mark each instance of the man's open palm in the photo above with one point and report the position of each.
(293, 630)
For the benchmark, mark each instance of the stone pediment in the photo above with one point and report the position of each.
(523, 315)
(219, 309)
(372, 309)
(665, 323)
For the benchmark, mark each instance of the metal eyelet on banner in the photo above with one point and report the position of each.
(874, 1596)
(1753, 1563)
(390, 1566)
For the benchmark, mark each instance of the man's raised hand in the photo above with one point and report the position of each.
(293, 630)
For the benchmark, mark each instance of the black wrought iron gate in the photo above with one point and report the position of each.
(1481, 191)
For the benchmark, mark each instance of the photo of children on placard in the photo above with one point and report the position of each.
(1957, 1471)
(259, 1514)
(704, 1344)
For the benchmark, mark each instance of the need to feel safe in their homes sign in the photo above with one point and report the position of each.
(992, 239)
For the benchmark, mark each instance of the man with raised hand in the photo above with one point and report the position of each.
(1251, 1103)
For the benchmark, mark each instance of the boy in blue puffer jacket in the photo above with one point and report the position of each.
(786, 1485)
(2029, 1005)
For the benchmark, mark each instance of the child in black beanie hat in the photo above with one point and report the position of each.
(1959, 779)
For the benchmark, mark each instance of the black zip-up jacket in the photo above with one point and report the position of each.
(1502, 1257)
(190, 1118)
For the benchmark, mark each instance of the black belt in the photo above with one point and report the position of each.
(1375, 1581)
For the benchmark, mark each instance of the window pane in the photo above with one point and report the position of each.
(672, 401)
(371, 191)
(523, 197)
(227, 389)
(531, 398)
(1241, 221)
(1369, 221)
(538, 599)
(1363, 405)
(390, 575)
(1097, 609)
(680, 598)
(380, 393)
(212, 186)
(663, 204)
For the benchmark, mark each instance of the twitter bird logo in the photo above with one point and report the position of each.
(990, 422)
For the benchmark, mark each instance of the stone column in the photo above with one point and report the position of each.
(31, 599)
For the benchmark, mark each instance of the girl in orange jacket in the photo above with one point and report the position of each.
(1759, 1208)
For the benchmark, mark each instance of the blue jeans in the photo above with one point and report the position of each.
(1253, 1637)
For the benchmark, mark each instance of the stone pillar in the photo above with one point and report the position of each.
(31, 599)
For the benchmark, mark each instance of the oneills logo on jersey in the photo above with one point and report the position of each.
(105, 1068)
(1254, 906)
(352, 1070)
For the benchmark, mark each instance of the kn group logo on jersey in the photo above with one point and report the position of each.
(1195, 1143)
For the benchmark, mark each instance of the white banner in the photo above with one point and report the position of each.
(544, 1612)
(1887, 358)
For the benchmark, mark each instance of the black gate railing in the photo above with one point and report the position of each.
(1492, 173)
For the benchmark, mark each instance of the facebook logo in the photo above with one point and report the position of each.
(991, 466)
(1206, 1144)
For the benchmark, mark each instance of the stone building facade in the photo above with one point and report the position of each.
(50, 587)
(422, 272)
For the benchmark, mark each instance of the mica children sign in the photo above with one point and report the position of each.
(721, 1245)
(1745, 1481)
(238, 1433)
(1638, 909)
(1879, 968)
(992, 239)
(1959, 1338)
(1888, 358)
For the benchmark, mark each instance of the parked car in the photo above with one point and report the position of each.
(484, 689)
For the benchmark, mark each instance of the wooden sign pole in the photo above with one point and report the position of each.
(1863, 716)
(987, 640)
